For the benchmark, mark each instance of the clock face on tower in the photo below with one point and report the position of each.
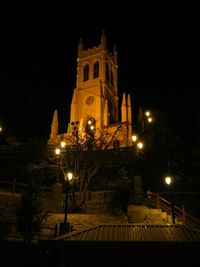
(90, 100)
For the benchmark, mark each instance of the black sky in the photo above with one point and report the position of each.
(158, 50)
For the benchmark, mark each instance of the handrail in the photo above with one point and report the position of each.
(180, 213)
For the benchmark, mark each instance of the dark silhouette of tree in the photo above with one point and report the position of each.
(30, 212)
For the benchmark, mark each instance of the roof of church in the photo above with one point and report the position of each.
(134, 233)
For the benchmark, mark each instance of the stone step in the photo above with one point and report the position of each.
(152, 218)
(139, 213)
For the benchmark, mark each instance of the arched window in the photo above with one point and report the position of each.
(107, 72)
(96, 69)
(86, 73)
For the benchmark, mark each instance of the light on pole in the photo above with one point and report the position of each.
(169, 182)
(65, 226)
(147, 113)
(139, 147)
(68, 178)
(134, 138)
(63, 144)
(57, 151)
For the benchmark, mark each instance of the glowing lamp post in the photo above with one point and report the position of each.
(63, 144)
(169, 182)
(65, 226)
(134, 138)
(147, 113)
(139, 147)
(68, 178)
(57, 151)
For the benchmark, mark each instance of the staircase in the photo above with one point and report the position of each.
(144, 214)
(154, 209)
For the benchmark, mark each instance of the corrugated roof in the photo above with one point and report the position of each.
(134, 233)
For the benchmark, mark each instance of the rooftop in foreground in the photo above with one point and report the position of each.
(134, 233)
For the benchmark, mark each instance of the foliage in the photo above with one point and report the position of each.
(7, 219)
(121, 191)
(30, 212)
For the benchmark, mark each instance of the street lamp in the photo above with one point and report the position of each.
(134, 138)
(169, 182)
(64, 227)
(148, 115)
(68, 178)
(139, 147)
(57, 151)
(63, 144)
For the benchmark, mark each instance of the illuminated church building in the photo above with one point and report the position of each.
(94, 105)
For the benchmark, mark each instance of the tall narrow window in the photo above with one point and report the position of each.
(96, 69)
(86, 73)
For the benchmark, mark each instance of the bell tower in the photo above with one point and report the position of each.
(95, 100)
(96, 92)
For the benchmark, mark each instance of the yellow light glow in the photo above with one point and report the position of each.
(63, 144)
(140, 145)
(149, 119)
(92, 127)
(134, 138)
(89, 122)
(168, 180)
(57, 151)
(147, 113)
(69, 175)
(0, 129)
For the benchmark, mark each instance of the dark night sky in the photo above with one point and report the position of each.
(158, 50)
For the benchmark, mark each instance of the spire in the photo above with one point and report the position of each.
(54, 125)
(129, 115)
(80, 46)
(124, 109)
(103, 39)
(129, 120)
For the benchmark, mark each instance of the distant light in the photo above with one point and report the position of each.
(57, 151)
(69, 175)
(149, 119)
(89, 122)
(92, 127)
(1, 129)
(134, 138)
(140, 145)
(63, 144)
(147, 113)
(168, 180)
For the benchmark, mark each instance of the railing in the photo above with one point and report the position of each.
(180, 213)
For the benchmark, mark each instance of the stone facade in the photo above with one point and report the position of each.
(95, 99)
